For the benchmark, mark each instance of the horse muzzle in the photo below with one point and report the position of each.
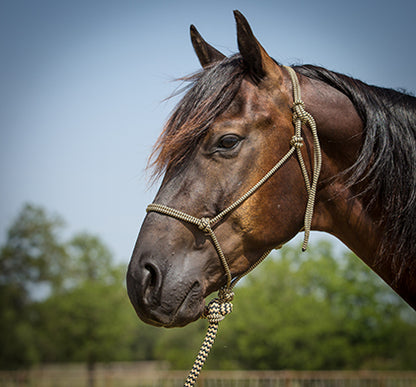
(161, 296)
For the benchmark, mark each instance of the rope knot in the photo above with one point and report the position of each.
(299, 112)
(225, 294)
(219, 307)
(296, 141)
(217, 310)
(204, 225)
(298, 102)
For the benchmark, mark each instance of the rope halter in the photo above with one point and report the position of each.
(219, 307)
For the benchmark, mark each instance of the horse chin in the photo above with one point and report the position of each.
(180, 319)
(173, 309)
(190, 309)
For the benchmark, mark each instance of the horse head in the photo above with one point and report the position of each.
(233, 126)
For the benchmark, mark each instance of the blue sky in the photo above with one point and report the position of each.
(83, 84)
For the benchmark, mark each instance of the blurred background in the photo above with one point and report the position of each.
(82, 101)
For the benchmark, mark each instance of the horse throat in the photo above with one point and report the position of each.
(342, 210)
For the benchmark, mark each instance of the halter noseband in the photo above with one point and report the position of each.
(300, 116)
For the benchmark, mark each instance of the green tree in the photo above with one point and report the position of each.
(64, 301)
(89, 318)
(17, 347)
(318, 311)
(33, 253)
(32, 261)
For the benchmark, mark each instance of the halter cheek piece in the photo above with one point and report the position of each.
(219, 307)
(300, 116)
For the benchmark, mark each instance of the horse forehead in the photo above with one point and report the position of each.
(253, 101)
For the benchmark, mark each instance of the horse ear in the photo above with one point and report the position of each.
(258, 61)
(207, 54)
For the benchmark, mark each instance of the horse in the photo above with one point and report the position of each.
(223, 204)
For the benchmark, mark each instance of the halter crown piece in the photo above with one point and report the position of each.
(219, 307)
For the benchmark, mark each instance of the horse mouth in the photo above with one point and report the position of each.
(189, 309)
(170, 308)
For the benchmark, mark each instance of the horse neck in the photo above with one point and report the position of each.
(340, 210)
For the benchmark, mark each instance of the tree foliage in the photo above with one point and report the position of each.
(65, 301)
(33, 253)
(317, 311)
(31, 260)
(62, 301)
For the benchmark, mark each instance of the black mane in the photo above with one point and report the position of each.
(386, 166)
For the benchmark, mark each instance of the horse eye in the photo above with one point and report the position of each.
(229, 141)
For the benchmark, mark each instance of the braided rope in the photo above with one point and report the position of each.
(221, 306)
(216, 310)
(255, 187)
(301, 116)
(173, 213)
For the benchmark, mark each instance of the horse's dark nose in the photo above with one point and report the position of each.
(164, 294)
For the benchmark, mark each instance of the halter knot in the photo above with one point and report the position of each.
(225, 294)
(298, 102)
(296, 141)
(204, 225)
(217, 309)
(299, 112)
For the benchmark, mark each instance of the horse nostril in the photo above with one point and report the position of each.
(151, 275)
(151, 282)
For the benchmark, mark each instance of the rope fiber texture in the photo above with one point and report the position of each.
(221, 306)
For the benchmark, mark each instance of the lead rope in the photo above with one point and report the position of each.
(215, 312)
(221, 306)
